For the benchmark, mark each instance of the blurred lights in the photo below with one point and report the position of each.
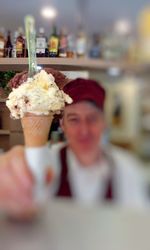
(122, 27)
(39, 68)
(114, 71)
(49, 12)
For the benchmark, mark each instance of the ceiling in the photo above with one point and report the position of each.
(95, 14)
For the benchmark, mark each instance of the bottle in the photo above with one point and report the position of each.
(25, 54)
(81, 44)
(71, 46)
(95, 50)
(14, 44)
(53, 43)
(2, 44)
(41, 42)
(63, 43)
(46, 51)
(8, 45)
(20, 44)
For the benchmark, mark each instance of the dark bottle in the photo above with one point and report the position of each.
(41, 43)
(20, 45)
(8, 45)
(46, 52)
(53, 43)
(26, 49)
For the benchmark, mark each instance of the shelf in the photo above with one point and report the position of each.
(19, 64)
(4, 132)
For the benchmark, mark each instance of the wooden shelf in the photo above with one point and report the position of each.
(4, 132)
(67, 64)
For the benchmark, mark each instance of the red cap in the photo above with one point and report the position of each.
(85, 89)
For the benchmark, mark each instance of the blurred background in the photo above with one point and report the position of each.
(114, 35)
(96, 15)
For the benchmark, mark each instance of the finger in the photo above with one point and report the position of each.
(13, 210)
(9, 185)
(10, 190)
(21, 173)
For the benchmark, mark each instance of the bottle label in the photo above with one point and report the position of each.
(19, 47)
(63, 47)
(40, 51)
(40, 45)
(63, 43)
(1, 53)
(53, 45)
(14, 52)
(2, 44)
(81, 46)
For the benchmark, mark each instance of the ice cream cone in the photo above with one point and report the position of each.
(36, 129)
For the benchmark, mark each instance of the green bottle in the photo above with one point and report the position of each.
(53, 43)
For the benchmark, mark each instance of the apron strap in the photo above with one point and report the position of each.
(109, 194)
(64, 186)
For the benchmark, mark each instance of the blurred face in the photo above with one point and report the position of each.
(83, 125)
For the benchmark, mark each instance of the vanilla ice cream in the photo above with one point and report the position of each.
(38, 95)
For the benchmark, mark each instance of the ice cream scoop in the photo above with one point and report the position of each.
(39, 95)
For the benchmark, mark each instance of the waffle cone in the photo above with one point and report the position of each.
(36, 129)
